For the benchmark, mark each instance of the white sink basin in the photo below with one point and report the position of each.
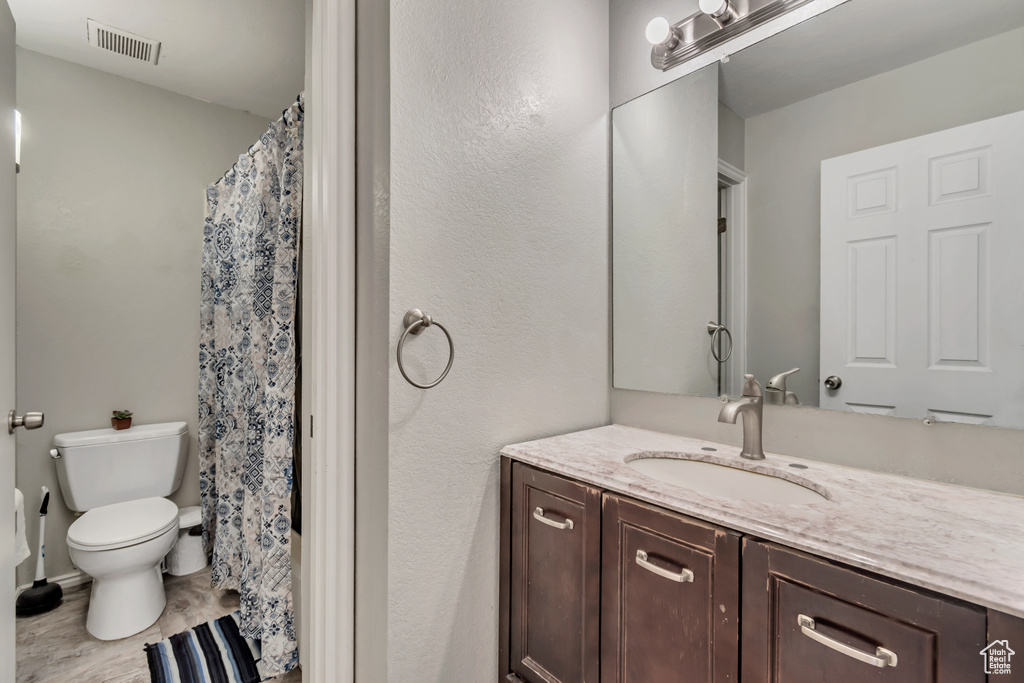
(716, 479)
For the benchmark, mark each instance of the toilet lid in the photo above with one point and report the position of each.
(123, 524)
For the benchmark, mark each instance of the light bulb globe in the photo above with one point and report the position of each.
(658, 31)
(714, 7)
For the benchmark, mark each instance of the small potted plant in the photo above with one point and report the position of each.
(122, 419)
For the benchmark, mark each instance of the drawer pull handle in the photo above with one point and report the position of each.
(538, 514)
(684, 575)
(882, 657)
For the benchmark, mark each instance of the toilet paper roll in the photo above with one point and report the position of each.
(21, 551)
(190, 517)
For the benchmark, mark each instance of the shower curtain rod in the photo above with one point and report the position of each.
(300, 101)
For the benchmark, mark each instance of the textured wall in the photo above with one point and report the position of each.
(499, 229)
(110, 225)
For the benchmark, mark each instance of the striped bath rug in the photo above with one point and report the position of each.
(214, 652)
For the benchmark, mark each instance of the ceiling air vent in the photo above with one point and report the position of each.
(123, 43)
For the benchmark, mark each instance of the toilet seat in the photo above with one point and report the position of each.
(122, 524)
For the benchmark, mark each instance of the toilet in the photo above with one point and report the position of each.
(120, 480)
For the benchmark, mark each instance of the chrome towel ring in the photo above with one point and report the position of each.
(716, 330)
(415, 321)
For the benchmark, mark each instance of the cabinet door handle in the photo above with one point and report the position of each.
(882, 657)
(538, 514)
(684, 575)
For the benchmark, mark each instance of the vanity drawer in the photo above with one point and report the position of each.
(806, 620)
(555, 578)
(670, 603)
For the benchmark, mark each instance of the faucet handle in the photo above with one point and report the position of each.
(751, 389)
(779, 380)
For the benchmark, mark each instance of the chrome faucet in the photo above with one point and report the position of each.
(750, 406)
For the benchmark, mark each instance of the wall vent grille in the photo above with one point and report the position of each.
(122, 42)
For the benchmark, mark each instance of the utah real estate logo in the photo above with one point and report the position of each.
(997, 657)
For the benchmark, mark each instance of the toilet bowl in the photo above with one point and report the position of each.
(121, 547)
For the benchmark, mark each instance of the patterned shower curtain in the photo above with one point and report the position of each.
(247, 372)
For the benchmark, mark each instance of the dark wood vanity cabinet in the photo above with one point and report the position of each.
(660, 603)
(554, 579)
(599, 588)
(669, 597)
(805, 620)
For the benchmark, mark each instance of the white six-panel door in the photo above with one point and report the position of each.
(922, 276)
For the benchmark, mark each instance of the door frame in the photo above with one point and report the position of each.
(328, 548)
(735, 310)
(8, 216)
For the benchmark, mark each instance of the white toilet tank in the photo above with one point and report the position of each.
(107, 466)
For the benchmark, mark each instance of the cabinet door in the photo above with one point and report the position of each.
(670, 597)
(555, 578)
(806, 620)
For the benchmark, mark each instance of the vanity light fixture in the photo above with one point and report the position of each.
(717, 22)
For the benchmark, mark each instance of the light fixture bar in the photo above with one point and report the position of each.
(704, 31)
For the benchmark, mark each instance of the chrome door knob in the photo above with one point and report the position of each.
(28, 421)
(833, 382)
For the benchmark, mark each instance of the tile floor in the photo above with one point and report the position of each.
(56, 647)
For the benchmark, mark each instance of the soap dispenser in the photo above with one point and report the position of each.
(775, 392)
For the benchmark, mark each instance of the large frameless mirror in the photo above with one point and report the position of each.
(846, 198)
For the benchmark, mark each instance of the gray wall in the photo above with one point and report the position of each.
(784, 150)
(731, 137)
(789, 144)
(110, 225)
(499, 229)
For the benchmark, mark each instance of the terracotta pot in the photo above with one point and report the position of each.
(121, 424)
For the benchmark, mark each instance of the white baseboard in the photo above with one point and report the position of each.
(66, 581)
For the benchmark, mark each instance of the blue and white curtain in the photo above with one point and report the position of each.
(247, 372)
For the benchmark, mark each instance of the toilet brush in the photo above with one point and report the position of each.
(42, 596)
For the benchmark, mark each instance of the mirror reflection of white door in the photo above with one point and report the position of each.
(8, 216)
(922, 306)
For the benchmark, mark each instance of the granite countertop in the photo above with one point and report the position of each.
(962, 542)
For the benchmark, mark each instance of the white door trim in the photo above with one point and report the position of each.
(735, 211)
(8, 234)
(328, 569)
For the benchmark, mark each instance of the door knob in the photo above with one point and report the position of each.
(28, 421)
(833, 382)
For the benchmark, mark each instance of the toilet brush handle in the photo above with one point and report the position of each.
(40, 568)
